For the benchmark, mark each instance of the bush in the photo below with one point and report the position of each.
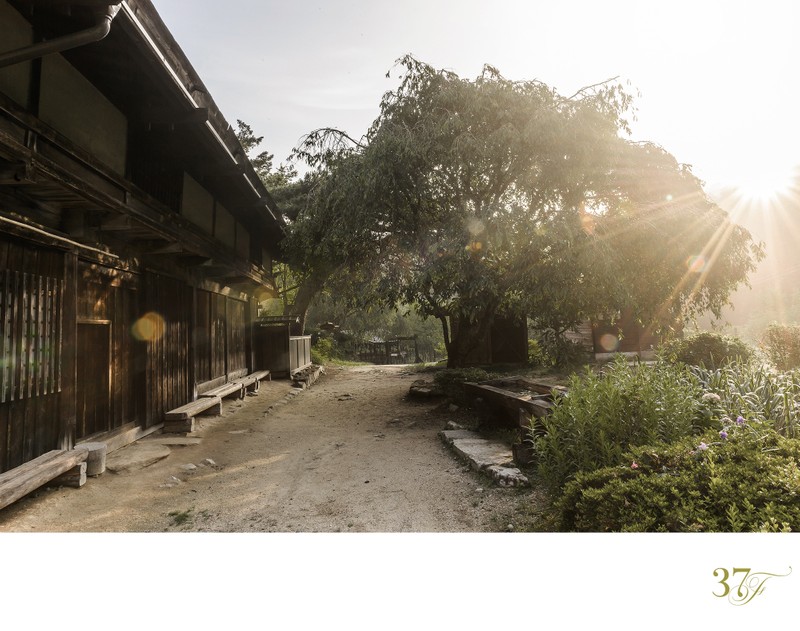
(324, 350)
(751, 391)
(604, 414)
(744, 478)
(781, 343)
(451, 381)
(556, 350)
(707, 349)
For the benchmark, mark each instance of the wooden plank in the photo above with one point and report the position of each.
(75, 477)
(210, 385)
(21, 481)
(225, 390)
(194, 408)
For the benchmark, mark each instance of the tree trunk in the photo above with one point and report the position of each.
(309, 288)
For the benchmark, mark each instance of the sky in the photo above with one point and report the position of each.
(716, 81)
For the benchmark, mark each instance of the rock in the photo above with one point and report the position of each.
(209, 462)
(171, 482)
(452, 407)
(422, 389)
(189, 467)
(135, 456)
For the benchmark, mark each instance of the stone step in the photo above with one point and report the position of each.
(492, 457)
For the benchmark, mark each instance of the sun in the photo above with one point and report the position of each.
(765, 183)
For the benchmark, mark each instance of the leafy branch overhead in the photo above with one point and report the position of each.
(469, 198)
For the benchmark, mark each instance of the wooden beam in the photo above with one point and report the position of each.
(171, 248)
(18, 482)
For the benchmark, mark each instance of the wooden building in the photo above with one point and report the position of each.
(135, 235)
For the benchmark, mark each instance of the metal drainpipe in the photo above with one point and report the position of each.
(73, 40)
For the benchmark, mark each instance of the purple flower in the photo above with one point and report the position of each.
(740, 420)
(702, 446)
(723, 435)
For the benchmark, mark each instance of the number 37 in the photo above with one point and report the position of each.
(726, 575)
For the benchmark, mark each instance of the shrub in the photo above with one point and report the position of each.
(781, 343)
(451, 381)
(742, 478)
(707, 349)
(604, 414)
(557, 350)
(752, 391)
(324, 350)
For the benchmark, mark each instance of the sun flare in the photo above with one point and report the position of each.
(765, 184)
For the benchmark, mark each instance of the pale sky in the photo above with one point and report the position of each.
(718, 81)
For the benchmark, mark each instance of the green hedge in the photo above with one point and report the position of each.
(707, 349)
(744, 478)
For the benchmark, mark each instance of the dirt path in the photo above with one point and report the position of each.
(352, 454)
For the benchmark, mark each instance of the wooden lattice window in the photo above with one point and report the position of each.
(30, 335)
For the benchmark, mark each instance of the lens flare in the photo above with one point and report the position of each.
(696, 264)
(609, 342)
(149, 328)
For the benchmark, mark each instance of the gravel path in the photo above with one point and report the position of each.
(351, 454)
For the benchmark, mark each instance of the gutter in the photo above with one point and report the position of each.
(73, 40)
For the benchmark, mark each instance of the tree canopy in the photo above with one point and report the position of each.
(469, 198)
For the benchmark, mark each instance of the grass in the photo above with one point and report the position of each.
(180, 518)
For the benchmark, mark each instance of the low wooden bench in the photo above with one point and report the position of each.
(226, 390)
(181, 420)
(28, 477)
(251, 382)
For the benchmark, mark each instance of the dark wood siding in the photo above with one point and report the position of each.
(31, 283)
(237, 324)
(202, 337)
(107, 300)
(168, 303)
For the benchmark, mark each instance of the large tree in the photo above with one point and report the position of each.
(467, 198)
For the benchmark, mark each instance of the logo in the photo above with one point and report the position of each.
(750, 584)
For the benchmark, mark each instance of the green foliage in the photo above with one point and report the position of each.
(742, 478)
(451, 381)
(753, 391)
(606, 413)
(707, 349)
(324, 350)
(560, 351)
(536, 354)
(262, 162)
(471, 197)
(781, 343)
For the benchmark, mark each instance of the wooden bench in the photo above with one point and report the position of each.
(20, 481)
(226, 390)
(252, 381)
(181, 420)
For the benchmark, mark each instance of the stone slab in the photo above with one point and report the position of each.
(484, 453)
(494, 458)
(507, 476)
(449, 435)
(136, 456)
